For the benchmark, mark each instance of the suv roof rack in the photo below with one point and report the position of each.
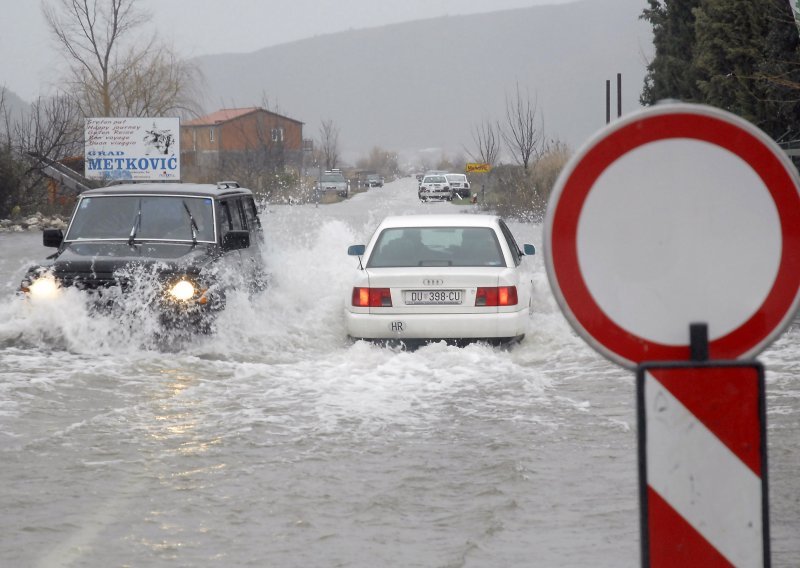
(227, 184)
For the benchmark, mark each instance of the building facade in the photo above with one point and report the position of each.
(238, 143)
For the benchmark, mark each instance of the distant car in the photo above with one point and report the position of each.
(420, 177)
(333, 181)
(176, 247)
(459, 185)
(434, 187)
(374, 180)
(425, 278)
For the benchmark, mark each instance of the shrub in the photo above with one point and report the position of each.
(513, 192)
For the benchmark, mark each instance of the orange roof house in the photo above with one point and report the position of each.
(211, 141)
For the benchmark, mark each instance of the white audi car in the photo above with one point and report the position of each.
(427, 278)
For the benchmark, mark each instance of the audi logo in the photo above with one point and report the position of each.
(432, 282)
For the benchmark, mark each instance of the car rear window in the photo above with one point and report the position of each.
(436, 246)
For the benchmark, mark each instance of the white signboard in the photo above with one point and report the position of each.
(133, 149)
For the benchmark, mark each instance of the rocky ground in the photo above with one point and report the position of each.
(35, 222)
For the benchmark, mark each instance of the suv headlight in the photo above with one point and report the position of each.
(183, 290)
(41, 287)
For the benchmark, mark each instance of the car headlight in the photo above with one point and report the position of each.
(182, 290)
(43, 287)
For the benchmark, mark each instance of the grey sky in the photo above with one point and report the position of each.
(30, 64)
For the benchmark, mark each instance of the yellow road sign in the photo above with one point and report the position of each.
(476, 168)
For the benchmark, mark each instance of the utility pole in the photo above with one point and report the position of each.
(608, 98)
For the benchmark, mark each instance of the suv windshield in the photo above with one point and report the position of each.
(151, 217)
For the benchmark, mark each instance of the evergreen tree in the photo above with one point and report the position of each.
(730, 45)
(671, 74)
(779, 73)
(747, 55)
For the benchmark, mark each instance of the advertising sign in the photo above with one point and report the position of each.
(132, 149)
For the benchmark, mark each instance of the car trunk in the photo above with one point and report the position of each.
(407, 287)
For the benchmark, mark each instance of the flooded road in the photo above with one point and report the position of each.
(278, 442)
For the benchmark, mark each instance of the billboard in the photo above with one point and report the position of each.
(132, 149)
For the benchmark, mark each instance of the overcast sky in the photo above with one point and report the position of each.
(29, 61)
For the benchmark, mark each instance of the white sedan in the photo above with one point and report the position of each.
(434, 186)
(440, 277)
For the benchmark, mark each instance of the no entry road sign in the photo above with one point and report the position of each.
(675, 215)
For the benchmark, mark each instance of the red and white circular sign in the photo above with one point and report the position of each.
(675, 215)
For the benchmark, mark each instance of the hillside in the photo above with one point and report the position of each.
(426, 84)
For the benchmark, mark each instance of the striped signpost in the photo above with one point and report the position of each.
(703, 465)
(672, 243)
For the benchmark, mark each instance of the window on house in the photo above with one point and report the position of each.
(211, 134)
(277, 134)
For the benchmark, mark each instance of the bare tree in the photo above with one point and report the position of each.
(156, 84)
(486, 137)
(52, 131)
(110, 77)
(329, 144)
(381, 161)
(523, 132)
(32, 142)
(10, 167)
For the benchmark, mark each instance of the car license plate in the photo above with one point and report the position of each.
(416, 297)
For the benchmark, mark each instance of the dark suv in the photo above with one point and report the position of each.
(173, 246)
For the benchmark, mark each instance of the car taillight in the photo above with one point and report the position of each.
(499, 296)
(372, 297)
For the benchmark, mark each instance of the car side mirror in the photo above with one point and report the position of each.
(528, 250)
(52, 238)
(356, 250)
(234, 240)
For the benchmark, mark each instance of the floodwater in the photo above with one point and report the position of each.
(278, 442)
